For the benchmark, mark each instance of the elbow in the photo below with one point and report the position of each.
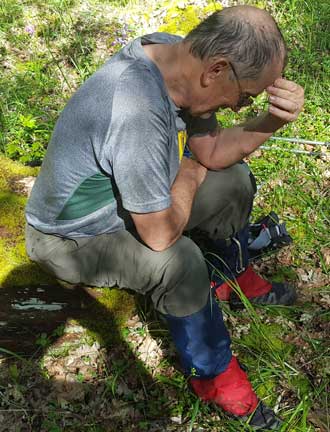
(158, 241)
(218, 162)
(159, 245)
(214, 165)
(158, 231)
(213, 160)
(224, 165)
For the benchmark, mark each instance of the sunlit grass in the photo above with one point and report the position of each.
(48, 49)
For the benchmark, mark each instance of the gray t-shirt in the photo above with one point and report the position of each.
(116, 148)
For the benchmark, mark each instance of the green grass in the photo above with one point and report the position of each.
(48, 49)
(285, 349)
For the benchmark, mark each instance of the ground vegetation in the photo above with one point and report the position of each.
(101, 360)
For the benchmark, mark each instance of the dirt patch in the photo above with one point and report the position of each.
(28, 312)
(22, 186)
(5, 233)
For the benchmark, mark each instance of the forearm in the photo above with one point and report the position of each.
(286, 100)
(183, 191)
(233, 144)
(159, 230)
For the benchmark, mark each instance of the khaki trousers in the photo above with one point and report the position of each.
(176, 279)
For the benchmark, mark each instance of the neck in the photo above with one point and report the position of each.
(173, 61)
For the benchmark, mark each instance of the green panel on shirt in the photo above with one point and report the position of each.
(92, 194)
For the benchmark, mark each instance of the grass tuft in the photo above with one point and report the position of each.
(47, 49)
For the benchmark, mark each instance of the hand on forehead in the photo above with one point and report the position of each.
(285, 84)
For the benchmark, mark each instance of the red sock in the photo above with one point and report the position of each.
(231, 390)
(250, 283)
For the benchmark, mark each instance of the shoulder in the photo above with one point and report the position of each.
(138, 78)
(140, 91)
(161, 38)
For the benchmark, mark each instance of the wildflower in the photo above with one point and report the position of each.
(30, 29)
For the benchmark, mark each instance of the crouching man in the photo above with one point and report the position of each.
(115, 193)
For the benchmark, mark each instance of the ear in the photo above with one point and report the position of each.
(214, 70)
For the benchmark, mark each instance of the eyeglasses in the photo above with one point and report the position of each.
(244, 99)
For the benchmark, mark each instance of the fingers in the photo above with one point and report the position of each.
(286, 84)
(286, 99)
(278, 92)
(284, 91)
(283, 115)
(285, 104)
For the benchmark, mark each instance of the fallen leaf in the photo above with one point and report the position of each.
(326, 255)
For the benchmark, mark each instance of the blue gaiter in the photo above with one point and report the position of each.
(202, 341)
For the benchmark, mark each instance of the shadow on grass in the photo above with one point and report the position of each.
(120, 394)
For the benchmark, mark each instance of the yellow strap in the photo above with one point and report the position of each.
(182, 139)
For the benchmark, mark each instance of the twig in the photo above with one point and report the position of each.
(297, 151)
(301, 141)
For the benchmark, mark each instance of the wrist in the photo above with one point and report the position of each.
(273, 123)
(265, 123)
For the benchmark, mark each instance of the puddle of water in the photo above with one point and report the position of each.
(35, 303)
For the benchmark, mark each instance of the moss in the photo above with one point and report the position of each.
(11, 169)
(261, 4)
(119, 302)
(12, 247)
(301, 384)
(283, 274)
(26, 274)
(213, 6)
(17, 270)
(266, 388)
(272, 341)
(12, 242)
(12, 212)
(108, 316)
(181, 20)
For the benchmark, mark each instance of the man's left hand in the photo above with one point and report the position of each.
(286, 99)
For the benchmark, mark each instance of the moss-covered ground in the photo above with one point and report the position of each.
(105, 368)
(12, 203)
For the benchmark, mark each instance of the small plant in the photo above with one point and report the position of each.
(43, 340)
(47, 49)
(14, 372)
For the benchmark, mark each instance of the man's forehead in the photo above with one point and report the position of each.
(268, 76)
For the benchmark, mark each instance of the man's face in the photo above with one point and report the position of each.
(228, 91)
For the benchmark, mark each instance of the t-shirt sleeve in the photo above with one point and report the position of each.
(138, 145)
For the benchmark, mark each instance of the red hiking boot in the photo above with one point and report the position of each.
(231, 390)
(257, 290)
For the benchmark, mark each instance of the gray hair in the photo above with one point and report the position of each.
(249, 45)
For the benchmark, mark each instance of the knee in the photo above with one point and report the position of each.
(242, 182)
(239, 194)
(186, 280)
